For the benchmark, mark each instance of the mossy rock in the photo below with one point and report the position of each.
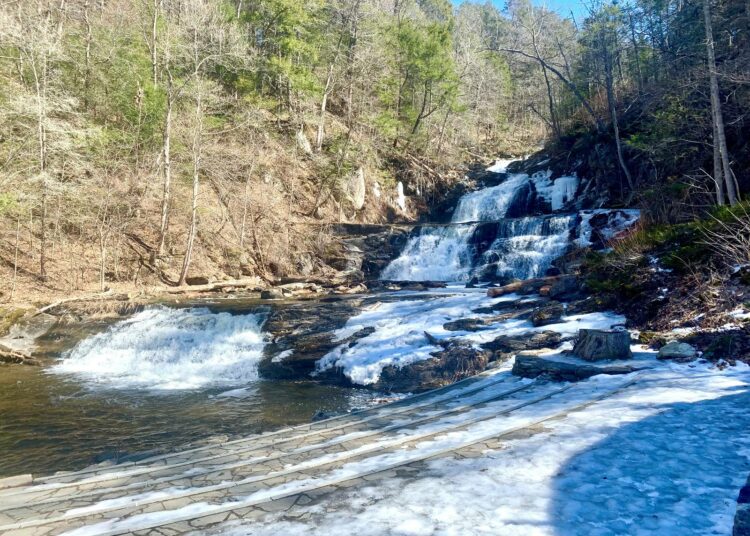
(10, 316)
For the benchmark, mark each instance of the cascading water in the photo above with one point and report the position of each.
(483, 241)
(525, 248)
(170, 349)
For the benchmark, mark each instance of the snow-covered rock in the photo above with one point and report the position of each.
(678, 351)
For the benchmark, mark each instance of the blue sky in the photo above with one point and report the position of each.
(563, 7)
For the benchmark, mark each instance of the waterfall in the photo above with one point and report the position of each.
(525, 248)
(170, 349)
(483, 241)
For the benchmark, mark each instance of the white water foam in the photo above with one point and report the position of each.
(526, 247)
(170, 349)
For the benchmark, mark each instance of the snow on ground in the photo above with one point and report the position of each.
(399, 337)
(664, 457)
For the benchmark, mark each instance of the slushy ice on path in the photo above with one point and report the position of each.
(489, 426)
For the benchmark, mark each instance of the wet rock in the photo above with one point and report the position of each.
(563, 287)
(271, 294)
(524, 202)
(599, 344)
(505, 346)
(13, 357)
(677, 351)
(405, 285)
(564, 368)
(473, 282)
(591, 304)
(456, 361)
(466, 324)
(23, 334)
(321, 415)
(307, 329)
(548, 314)
(511, 309)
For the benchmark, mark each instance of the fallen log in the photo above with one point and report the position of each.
(90, 297)
(247, 284)
(15, 357)
(551, 286)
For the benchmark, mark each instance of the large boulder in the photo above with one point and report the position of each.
(457, 360)
(356, 188)
(559, 367)
(677, 351)
(271, 294)
(547, 314)
(505, 346)
(600, 344)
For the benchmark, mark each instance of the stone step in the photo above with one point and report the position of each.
(235, 451)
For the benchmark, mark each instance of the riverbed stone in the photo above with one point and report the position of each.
(560, 367)
(601, 344)
(550, 313)
(456, 361)
(677, 351)
(272, 294)
(505, 346)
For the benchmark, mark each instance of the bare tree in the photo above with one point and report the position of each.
(720, 138)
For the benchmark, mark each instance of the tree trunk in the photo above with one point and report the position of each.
(40, 83)
(87, 66)
(568, 83)
(716, 112)
(551, 102)
(718, 175)
(167, 157)
(609, 83)
(15, 260)
(102, 257)
(154, 35)
(245, 199)
(323, 103)
(197, 149)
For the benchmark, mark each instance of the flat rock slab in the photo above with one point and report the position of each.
(566, 367)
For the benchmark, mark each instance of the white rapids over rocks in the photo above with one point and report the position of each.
(170, 349)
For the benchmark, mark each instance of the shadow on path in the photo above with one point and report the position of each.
(675, 473)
